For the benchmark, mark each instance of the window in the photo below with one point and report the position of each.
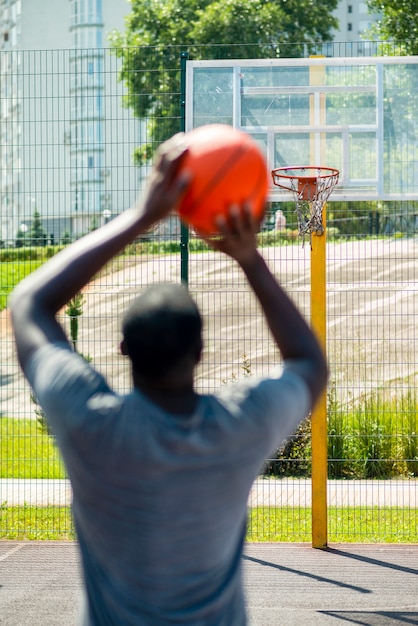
(91, 12)
(350, 8)
(349, 26)
(74, 12)
(91, 162)
(99, 105)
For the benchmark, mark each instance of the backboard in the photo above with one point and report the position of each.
(358, 115)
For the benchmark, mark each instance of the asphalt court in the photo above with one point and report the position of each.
(286, 584)
(371, 301)
(371, 316)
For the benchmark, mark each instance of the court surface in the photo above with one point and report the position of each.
(371, 317)
(286, 584)
(370, 285)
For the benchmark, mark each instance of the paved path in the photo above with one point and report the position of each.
(265, 492)
(285, 584)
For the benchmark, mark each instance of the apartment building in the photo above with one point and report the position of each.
(355, 20)
(65, 139)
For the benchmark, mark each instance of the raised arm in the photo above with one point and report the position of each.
(37, 299)
(292, 335)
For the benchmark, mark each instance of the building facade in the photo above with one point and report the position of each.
(355, 20)
(65, 139)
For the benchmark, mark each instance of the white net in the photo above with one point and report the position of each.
(311, 188)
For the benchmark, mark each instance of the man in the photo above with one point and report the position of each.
(161, 476)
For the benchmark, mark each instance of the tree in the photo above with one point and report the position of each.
(398, 23)
(20, 238)
(158, 30)
(66, 238)
(37, 235)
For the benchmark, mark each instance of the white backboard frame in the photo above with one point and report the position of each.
(324, 80)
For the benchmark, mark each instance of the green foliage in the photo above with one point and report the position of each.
(11, 274)
(293, 458)
(158, 31)
(338, 437)
(37, 235)
(36, 523)
(407, 408)
(373, 437)
(372, 447)
(66, 238)
(74, 310)
(28, 253)
(41, 419)
(20, 238)
(246, 371)
(345, 524)
(398, 23)
(94, 225)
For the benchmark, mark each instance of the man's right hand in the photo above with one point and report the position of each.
(167, 183)
(237, 235)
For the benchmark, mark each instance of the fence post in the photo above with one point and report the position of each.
(318, 321)
(319, 414)
(184, 230)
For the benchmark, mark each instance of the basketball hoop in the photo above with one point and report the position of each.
(311, 187)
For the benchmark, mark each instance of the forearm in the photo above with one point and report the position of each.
(38, 298)
(56, 282)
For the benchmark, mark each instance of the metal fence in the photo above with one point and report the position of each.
(66, 145)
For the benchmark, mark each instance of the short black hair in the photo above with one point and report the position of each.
(160, 327)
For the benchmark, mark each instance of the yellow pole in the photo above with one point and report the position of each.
(319, 414)
(318, 321)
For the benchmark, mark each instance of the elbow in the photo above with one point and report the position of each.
(320, 377)
(19, 303)
(14, 303)
(324, 372)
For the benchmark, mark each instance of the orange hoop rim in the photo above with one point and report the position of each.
(319, 172)
(311, 187)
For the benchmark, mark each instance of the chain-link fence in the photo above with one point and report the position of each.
(67, 146)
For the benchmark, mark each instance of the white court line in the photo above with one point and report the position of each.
(10, 552)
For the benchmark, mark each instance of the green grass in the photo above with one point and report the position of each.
(26, 452)
(36, 523)
(345, 525)
(12, 273)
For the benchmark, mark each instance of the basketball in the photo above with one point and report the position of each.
(227, 167)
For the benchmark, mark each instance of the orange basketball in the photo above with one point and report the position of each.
(227, 168)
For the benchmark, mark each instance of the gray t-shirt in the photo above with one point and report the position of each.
(160, 500)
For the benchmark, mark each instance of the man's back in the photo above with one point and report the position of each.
(159, 503)
(160, 500)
